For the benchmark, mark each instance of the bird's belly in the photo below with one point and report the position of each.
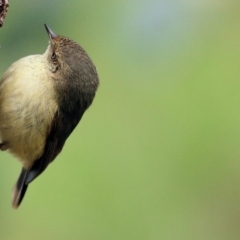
(24, 130)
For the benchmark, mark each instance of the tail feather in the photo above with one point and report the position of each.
(19, 189)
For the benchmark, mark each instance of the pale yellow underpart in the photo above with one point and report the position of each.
(27, 108)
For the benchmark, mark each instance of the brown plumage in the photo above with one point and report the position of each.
(42, 99)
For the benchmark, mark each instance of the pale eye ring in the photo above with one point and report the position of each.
(53, 55)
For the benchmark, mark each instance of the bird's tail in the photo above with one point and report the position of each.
(19, 189)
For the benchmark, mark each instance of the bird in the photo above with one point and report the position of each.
(42, 99)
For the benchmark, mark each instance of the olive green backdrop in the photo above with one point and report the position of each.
(157, 156)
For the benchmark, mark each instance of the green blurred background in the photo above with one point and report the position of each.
(157, 156)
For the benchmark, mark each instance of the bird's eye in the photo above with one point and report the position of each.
(53, 55)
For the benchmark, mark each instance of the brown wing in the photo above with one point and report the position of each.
(62, 127)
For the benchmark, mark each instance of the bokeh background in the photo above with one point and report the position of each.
(157, 156)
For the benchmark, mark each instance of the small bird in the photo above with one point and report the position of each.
(42, 99)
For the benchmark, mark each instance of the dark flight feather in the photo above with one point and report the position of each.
(61, 129)
(20, 189)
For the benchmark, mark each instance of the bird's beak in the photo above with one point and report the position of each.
(51, 34)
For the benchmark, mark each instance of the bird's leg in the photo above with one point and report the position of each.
(3, 146)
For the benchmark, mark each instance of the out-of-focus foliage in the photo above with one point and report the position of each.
(157, 156)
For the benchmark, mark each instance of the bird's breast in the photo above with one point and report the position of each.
(27, 107)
